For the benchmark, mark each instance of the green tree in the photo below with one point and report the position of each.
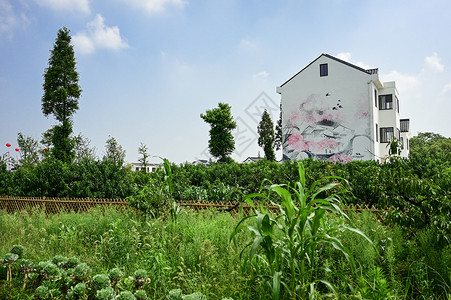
(61, 88)
(82, 148)
(266, 136)
(144, 156)
(221, 143)
(430, 154)
(61, 94)
(29, 150)
(114, 152)
(63, 144)
(278, 134)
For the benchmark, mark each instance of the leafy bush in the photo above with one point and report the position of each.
(105, 294)
(100, 281)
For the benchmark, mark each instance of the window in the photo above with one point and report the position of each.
(377, 133)
(385, 102)
(386, 134)
(323, 70)
(397, 104)
(375, 97)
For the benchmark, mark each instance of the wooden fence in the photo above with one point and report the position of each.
(56, 205)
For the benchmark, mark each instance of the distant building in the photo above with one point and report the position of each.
(337, 111)
(201, 162)
(148, 168)
(252, 159)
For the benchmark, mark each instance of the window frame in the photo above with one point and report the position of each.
(375, 97)
(323, 70)
(377, 133)
(385, 136)
(384, 103)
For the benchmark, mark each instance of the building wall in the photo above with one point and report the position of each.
(328, 117)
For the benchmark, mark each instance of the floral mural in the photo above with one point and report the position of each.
(325, 128)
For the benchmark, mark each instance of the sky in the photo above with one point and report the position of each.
(149, 68)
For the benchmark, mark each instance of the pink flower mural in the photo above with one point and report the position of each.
(340, 158)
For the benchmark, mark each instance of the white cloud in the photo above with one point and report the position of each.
(261, 75)
(433, 62)
(346, 56)
(407, 85)
(98, 35)
(9, 19)
(66, 5)
(247, 45)
(446, 88)
(155, 6)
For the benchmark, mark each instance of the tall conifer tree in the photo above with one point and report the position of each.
(61, 94)
(266, 136)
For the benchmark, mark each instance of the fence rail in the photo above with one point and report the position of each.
(78, 205)
(57, 205)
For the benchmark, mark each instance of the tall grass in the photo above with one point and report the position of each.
(194, 254)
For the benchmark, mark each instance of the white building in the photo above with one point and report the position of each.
(337, 111)
(150, 167)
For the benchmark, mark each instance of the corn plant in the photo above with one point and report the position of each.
(288, 243)
(168, 179)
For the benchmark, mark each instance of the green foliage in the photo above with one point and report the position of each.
(105, 294)
(18, 249)
(82, 148)
(288, 243)
(63, 145)
(61, 94)
(81, 271)
(266, 136)
(61, 88)
(278, 133)
(115, 275)
(430, 155)
(41, 292)
(78, 291)
(54, 178)
(221, 143)
(194, 254)
(144, 156)
(72, 262)
(100, 281)
(29, 151)
(141, 295)
(59, 260)
(150, 199)
(125, 295)
(114, 152)
(176, 294)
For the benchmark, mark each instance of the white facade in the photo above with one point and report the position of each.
(337, 111)
(148, 168)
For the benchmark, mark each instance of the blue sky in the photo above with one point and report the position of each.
(149, 68)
